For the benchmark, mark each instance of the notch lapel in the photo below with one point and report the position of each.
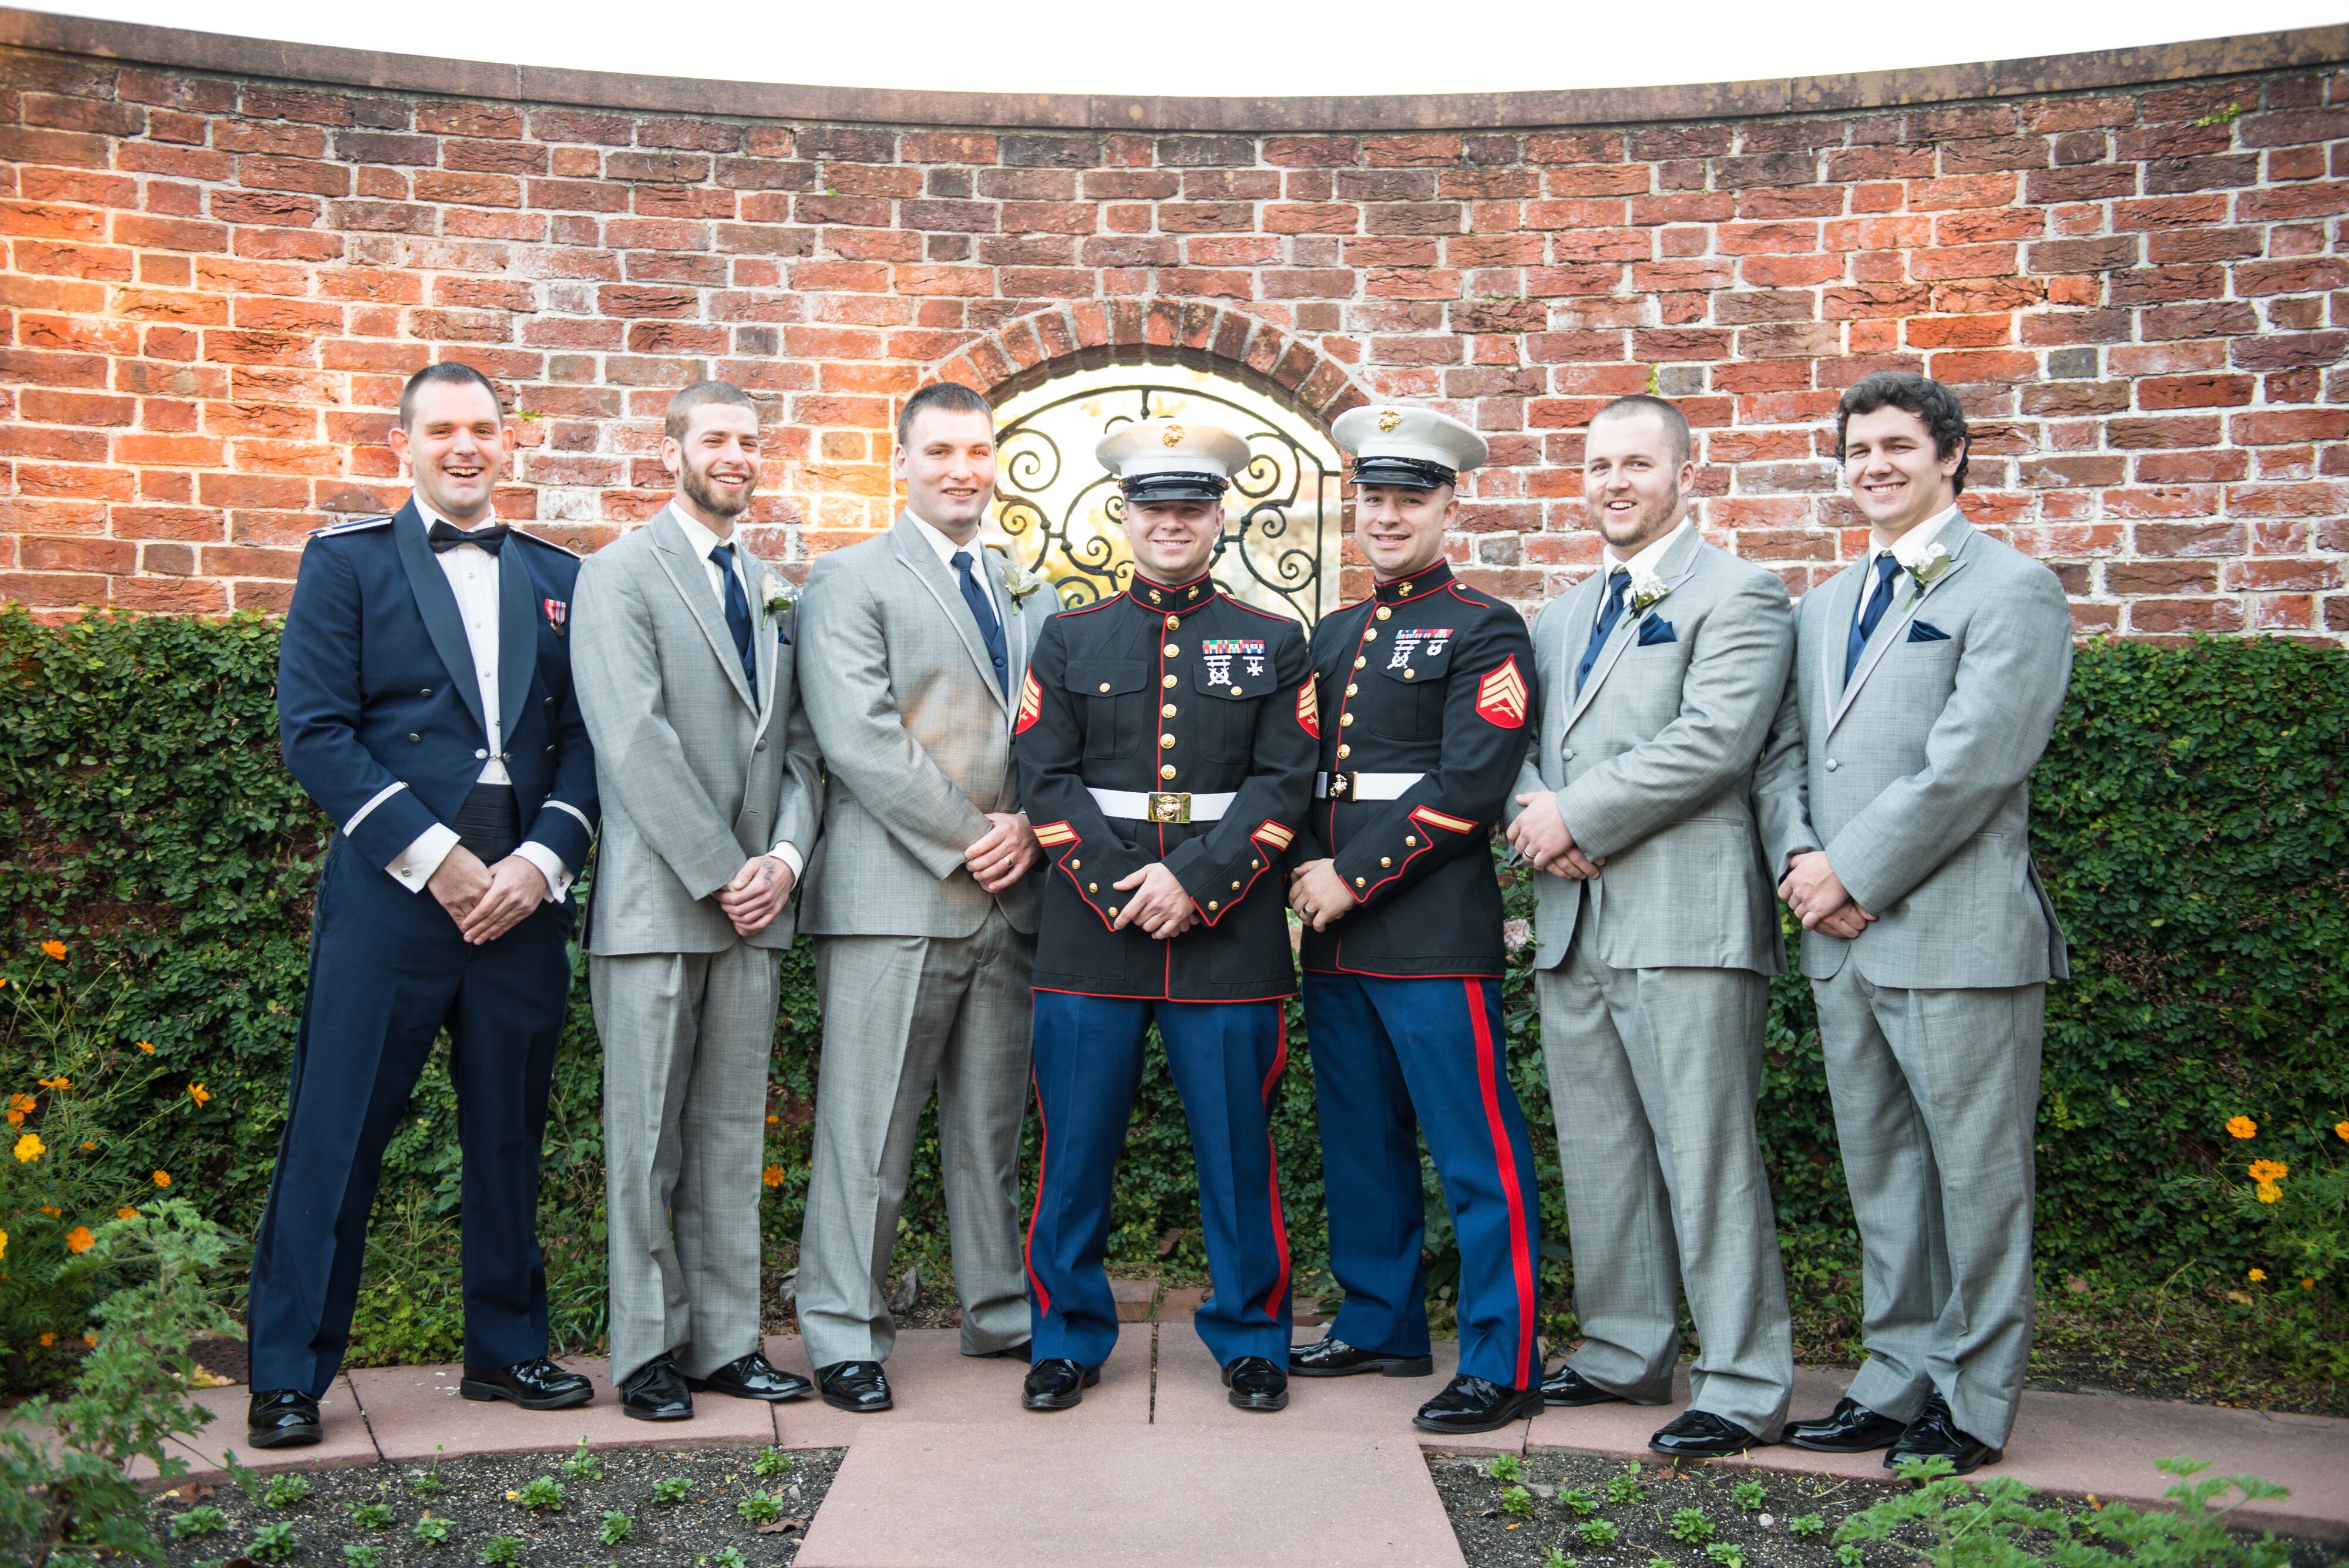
(1888, 630)
(437, 602)
(686, 575)
(518, 615)
(766, 646)
(914, 553)
(1675, 567)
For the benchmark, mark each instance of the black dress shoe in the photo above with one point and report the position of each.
(1331, 1356)
(1935, 1432)
(1854, 1428)
(1702, 1435)
(753, 1376)
(281, 1418)
(1009, 1353)
(1473, 1404)
(1057, 1383)
(860, 1387)
(1567, 1386)
(656, 1391)
(1257, 1384)
(534, 1384)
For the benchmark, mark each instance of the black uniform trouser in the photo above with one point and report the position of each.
(388, 971)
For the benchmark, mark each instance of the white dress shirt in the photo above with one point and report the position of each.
(1909, 550)
(947, 549)
(472, 574)
(701, 541)
(1641, 566)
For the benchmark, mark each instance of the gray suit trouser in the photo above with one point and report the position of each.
(901, 1013)
(1936, 1106)
(1653, 1075)
(687, 1037)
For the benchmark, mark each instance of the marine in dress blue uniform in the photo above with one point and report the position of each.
(1423, 688)
(1170, 725)
(413, 743)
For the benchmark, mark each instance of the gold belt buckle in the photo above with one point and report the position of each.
(1170, 807)
(1340, 786)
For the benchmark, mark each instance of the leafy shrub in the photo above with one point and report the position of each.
(373, 1515)
(286, 1489)
(1506, 1468)
(771, 1461)
(1517, 1503)
(1578, 1499)
(761, 1507)
(362, 1554)
(1596, 1532)
(201, 1520)
(540, 1494)
(432, 1530)
(1625, 1489)
(1748, 1495)
(584, 1467)
(669, 1490)
(1691, 1526)
(273, 1542)
(616, 1527)
(502, 1551)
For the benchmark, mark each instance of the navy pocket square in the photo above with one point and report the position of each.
(1654, 630)
(1926, 631)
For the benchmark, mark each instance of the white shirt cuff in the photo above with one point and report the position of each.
(414, 864)
(790, 855)
(550, 866)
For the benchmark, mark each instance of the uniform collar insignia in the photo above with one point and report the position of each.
(1176, 598)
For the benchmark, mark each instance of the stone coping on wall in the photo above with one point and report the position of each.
(619, 90)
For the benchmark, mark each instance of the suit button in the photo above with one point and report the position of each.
(1104, 686)
(550, 751)
(414, 739)
(1831, 764)
(479, 754)
(548, 702)
(761, 744)
(1566, 755)
(426, 692)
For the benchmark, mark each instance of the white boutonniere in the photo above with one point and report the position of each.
(1019, 584)
(776, 595)
(1646, 589)
(1925, 568)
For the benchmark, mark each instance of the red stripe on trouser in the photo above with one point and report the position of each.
(1028, 1253)
(1520, 1260)
(1272, 1166)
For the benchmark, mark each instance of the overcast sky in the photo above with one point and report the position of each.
(1225, 47)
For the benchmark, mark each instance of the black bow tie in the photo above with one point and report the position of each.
(445, 537)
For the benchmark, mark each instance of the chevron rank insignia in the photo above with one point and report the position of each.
(1053, 835)
(1501, 696)
(1274, 836)
(1430, 816)
(1032, 703)
(1308, 708)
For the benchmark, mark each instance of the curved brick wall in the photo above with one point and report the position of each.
(215, 279)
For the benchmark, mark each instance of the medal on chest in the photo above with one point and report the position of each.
(1414, 642)
(1222, 653)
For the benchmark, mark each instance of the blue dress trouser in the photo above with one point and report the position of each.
(1392, 1058)
(388, 970)
(1227, 1058)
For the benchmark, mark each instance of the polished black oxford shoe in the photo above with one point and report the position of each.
(1331, 1356)
(1567, 1386)
(1257, 1384)
(534, 1384)
(753, 1376)
(1702, 1435)
(1057, 1383)
(860, 1387)
(656, 1391)
(1935, 1432)
(281, 1418)
(1473, 1405)
(1854, 1428)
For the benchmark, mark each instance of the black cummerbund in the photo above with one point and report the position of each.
(489, 823)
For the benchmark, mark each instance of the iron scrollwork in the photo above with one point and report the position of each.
(1285, 489)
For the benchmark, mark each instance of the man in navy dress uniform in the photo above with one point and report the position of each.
(1165, 745)
(1424, 688)
(424, 701)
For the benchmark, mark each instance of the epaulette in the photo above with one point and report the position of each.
(357, 525)
(548, 543)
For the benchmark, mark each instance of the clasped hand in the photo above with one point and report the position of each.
(1159, 907)
(1003, 854)
(1318, 893)
(1541, 835)
(756, 895)
(486, 902)
(1817, 895)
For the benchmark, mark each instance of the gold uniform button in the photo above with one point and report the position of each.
(1170, 650)
(1358, 881)
(1385, 614)
(1358, 665)
(1112, 911)
(1165, 743)
(1092, 887)
(1384, 862)
(1104, 686)
(1345, 718)
(1410, 843)
(1235, 691)
(1410, 674)
(1345, 751)
(1076, 865)
(1168, 772)
(1370, 634)
(1166, 710)
(1254, 866)
(1174, 621)
(1167, 681)
(1213, 905)
(1352, 689)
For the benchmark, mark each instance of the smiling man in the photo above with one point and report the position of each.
(920, 900)
(712, 787)
(1166, 740)
(1658, 936)
(1895, 801)
(425, 701)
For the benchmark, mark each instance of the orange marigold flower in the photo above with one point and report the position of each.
(2308, 1284)
(772, 1175)
(126, 1212)
(30, 1148)
(53, 1211)
(199, 1093)
(2341, 1131)
(88, 1143)
(162, 1178)
(2257, 1277)
(19, 1107)
(60, 1081)
(147, 1045)
(79, 1240)
(2267, 1193)
(48, 1339)
(2242, 1127)
(54, 949)
(89, 1338)
(2268, 1170)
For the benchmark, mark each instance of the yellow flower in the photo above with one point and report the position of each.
(54, 949)
(4, 1243)
(2242, 1127)
(60, 1081)
(162, 1178)
(77, 1240)
(2267, 1193)
(2268, 1170)
(147, 1045)
(772, 1175)
(48, 1339)
(30, 1148)
(199, 1093)
(2256, 1276)
(126, 1212)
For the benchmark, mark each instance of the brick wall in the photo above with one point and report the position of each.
(213, 287)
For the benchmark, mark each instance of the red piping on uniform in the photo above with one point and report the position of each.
(1520, 1260)
(1043, 1147)
(1272, 1167)
(1146, 997)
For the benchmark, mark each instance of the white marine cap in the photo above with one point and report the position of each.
(1393, 445)
(1172, 460)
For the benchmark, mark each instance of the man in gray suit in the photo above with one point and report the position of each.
(1659, 676)
(683, 653)
(918, 897)
(1928, 675)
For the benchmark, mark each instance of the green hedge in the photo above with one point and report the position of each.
(2190, 819)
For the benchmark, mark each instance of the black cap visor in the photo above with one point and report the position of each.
(1143, 488)
(1407, 472)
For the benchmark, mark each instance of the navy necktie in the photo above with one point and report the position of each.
(1886, 569)
(981, 611)
(1619, 582)
(738, 612)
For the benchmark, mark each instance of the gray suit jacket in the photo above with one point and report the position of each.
(917, 737)
(1652, 764)
(695, 776)
(1912, 776)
